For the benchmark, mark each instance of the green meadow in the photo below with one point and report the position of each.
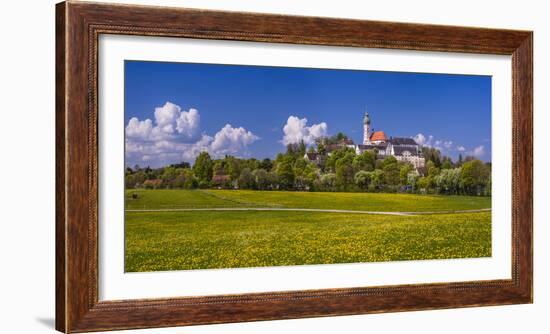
(161, 233)
(185, 199)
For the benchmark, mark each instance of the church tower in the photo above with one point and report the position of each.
(366, 129)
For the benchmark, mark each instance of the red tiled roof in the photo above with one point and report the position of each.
(378, 135)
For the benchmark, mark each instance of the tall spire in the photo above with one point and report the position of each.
(366, 118)
(366, 128)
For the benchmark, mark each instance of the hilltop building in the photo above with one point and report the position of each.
(403, 149)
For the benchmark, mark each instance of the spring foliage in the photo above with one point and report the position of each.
(341, 170)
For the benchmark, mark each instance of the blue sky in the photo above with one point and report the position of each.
(175, 110)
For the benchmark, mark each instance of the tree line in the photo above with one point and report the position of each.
(342, 170)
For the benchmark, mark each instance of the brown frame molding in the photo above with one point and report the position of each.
(78, 25)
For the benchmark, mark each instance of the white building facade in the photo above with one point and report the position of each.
(403, 149)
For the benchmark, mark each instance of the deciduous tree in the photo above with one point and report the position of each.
(390, 167)
(362, 179)
(261, 177)
(474, 176)
(246, 179)
(203, 168)
(285, 172)
(364, 161)
(344, 170)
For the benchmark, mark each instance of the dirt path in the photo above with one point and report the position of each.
(314, 210)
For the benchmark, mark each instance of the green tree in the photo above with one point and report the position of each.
(179, 179)
(285, 172)
(404, 173)
(168, 177)
(182, 164)
(232, 167)
(378, 164)
(218, 167)
(344, 170)
(135, 179)
(299, 166)
(390, 167)
(341, 136)
(251, 164)
(261, 177)
(321, 148)
(191, 181)
(328, 181)
(377, 179)
(301, 148)
(474, 177)
(335, 156)
(448, 181)
(273, 179)
(447, 163)
(362, 179)
(412, 180)
(130, 181)
(311, 175)
(246, 179)
(296, 149)
(433, 171)
(433, 155)
(266, 164)
(364, 161)
(185, 178)
(203, 168)
(422, 184)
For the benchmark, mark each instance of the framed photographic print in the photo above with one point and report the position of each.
(222, 167)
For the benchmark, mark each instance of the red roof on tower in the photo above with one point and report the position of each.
(378, 136)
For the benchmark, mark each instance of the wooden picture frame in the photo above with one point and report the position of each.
(78, 26)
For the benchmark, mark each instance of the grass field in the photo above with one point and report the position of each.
(179, 240)
(173, 199)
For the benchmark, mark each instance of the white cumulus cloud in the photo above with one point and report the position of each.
(230, 140)
(478, 151)
(166, 116)
(175, 136)
(445, 146)
(171, 120)
(188, 123)
(296, 130)
(190, 151)
(422, 140)
(139, 129)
